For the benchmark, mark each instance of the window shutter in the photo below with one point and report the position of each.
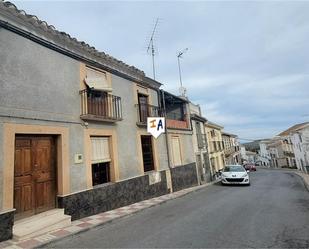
(97, 80)
(100, 150)
(176, 151)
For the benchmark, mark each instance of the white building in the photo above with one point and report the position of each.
(300, 140)
(263, 157)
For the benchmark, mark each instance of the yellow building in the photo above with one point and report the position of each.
(215, 146)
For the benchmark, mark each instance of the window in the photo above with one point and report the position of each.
(176, 151)
(143, 107)
(147, 153)
(213, 133)
(100, 160)
(97, 80)
(100, 173)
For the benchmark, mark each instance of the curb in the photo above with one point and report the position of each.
(188, 191)
(303, 179)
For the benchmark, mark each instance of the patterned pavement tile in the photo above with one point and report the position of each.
(95, 221)
(60, 233)
(30, 243)
(73, 229)
(13, 247)
(84, 224)
(45, 237)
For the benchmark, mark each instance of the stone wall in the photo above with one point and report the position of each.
(6, 225)
(184, 177)
(111, 196)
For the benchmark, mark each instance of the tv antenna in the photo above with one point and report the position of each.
(152, 48)
(182, 90)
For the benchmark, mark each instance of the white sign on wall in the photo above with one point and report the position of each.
(156, 126)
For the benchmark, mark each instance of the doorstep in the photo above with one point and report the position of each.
(40, 224)
(89, 222)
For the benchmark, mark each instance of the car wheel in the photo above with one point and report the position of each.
(248, 184)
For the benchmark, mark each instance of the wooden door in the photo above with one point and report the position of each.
(34, 175)
(147, 153)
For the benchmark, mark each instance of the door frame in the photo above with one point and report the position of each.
(62, 160)
(33, 137)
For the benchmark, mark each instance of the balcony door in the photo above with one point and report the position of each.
(143, 107)
(97, 103)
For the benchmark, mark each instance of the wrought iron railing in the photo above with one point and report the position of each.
(98, 105)
(144, 111)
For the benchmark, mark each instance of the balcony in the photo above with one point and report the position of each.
(288, 154)
(100, 106)
(144, 111)
(216, 146)
(230, 150)
(176, 121)
(201, 141)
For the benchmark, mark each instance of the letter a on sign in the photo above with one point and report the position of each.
(156, 126)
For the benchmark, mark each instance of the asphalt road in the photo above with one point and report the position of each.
(272, 213)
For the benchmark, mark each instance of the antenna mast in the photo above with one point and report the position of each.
(152, 48)
(182, 90)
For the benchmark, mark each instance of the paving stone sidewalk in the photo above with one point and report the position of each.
(89, 222)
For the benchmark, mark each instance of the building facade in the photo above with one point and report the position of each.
(73, 132)
(231, 148)
(215, 146)
(199, 139)
(300, 140)
(281, 152)
(179, 141)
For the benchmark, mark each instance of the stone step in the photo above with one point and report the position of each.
(40, 224)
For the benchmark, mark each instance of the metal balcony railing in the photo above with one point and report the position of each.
(144, 111)
(100, 106)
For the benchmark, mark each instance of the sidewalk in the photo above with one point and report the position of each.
(305, 178)
(89, 222)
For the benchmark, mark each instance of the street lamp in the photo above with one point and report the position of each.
(181, 89)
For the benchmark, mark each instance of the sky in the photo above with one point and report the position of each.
(247, 63)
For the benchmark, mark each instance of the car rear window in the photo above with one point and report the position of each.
(234, 169)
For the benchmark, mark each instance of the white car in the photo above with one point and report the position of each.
(235, 174)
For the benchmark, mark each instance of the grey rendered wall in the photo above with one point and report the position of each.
(39, 83)
(127, 130)
(51, 92)
(1, 163)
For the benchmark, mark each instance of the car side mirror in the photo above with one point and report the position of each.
(248, 171)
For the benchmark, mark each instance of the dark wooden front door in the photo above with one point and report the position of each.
(147, 153)
(34, 175)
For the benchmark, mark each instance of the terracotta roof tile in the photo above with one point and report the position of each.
(293, 128)
(45, 27)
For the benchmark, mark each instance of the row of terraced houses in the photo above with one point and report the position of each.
(288, 149)
(73, 137)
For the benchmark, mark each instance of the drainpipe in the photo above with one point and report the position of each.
(166, 139)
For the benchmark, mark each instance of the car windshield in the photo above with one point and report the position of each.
(234, 169)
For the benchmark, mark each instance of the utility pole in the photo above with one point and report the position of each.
(182, 90)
